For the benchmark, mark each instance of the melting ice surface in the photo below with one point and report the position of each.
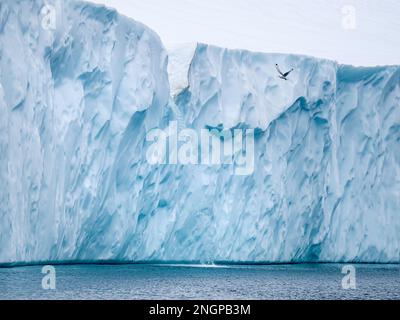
(76, 104)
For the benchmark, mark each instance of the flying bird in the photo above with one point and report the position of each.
(283, 75)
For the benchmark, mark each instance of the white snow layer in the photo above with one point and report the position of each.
(76, 103)
(179, 59)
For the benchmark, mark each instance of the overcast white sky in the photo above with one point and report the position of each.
(369, 35)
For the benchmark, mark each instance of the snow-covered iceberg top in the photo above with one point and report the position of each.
(180, 58)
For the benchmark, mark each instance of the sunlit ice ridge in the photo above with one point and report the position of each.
(77, 99)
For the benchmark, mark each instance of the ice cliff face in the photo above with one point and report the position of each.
(75, 104)
(326, 183)
(77, 101)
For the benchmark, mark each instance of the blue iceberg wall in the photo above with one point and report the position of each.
(76, 103)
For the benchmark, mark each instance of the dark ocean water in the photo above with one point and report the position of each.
(303, 281)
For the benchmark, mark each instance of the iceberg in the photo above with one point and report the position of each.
(78, 97)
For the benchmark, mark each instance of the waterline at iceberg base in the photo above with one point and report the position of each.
(76, 104)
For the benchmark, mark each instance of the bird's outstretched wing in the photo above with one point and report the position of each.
(287, 73)
(277, 69)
